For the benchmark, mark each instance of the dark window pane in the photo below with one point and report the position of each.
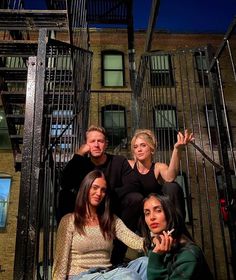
(212, 126)
(114, 121)
(166, 126)
(202, 69)
(5, 142)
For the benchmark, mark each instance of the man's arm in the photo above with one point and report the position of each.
(75, 171)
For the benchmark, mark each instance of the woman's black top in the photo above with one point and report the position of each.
(148, 181)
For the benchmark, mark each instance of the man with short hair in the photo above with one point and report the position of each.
(126, 196)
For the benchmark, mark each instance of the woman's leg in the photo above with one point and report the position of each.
(176, 195)
(139, 265)
(129, 212)
(120, 273)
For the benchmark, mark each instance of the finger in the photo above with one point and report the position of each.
(162, 242)
(170, 243)
(167, 240)
(156, 240)
(180, 134)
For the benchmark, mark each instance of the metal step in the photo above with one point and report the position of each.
(33, 20)
(13, 74)
(13, 97)
(15, 119)
(18, 48)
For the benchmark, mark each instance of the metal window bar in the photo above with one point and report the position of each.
(69, 110)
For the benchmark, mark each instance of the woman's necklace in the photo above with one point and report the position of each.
(142, 169)
(92, 219)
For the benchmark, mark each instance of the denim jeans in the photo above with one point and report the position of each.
(135, 270)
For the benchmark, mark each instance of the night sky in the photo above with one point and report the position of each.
(179, 16)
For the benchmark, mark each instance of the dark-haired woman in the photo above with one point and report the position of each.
(85, 237)
(173, 253)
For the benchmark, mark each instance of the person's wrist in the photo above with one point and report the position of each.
(178, 148)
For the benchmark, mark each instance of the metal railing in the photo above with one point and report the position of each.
(194, 88)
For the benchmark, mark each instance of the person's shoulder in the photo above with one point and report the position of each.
(117, 158)
(78, 159)
(192, 251)
(131, 162)
(68, 218)
(67, 222)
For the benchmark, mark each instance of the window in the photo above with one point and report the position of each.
(114, 121)
(161, 71)
(112, 69)
(202, 69)
(182, 181)
(59, 70)
(62, 129)
(58, 129)
(60, 125)
(165, 122)
(212, 126)
(4, 136)
(15, 62)
(5, 185)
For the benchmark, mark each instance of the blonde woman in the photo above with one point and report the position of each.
(157, 177)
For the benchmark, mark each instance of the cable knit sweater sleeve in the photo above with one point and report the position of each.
(63, 246)
(128, 237)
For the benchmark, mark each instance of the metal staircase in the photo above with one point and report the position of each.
(16, 46)
(46, 105)
(13, 72)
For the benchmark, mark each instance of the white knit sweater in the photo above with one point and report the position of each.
(76, 253)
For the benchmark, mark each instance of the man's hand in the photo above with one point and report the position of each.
(83, 150)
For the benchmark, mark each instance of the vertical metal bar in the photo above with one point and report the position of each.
(26, 167)
(27, 226)
(231, 59)
(36, 155)
(152, 21)
(224, 159)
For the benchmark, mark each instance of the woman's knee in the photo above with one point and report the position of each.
(172, 188)
(132, 199)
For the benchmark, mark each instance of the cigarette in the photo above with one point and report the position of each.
(170, 231)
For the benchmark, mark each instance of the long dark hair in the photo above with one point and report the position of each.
(173, 219)
(105, 216)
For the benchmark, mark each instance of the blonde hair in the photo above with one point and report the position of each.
(147, 135)
(98, 129)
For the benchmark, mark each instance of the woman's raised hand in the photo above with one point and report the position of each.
(183, 139)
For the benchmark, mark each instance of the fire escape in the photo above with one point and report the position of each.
(46, 101)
